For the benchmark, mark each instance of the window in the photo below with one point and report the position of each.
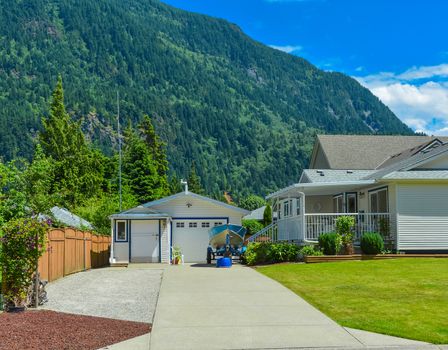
(180, 224)
(298, 206)
(286, 208)
(205, 224)
(350, 203)
(120, 231)
(193, 224)
(378, 201)
(338, 204)
(218, 223)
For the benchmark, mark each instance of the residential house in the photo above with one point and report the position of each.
(394, 185)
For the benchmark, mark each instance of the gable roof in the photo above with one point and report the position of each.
(330, 175)
(69, 219)
(197, 196)
(395, 158)
(410, 162)
(363, 152)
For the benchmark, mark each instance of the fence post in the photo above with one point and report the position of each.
(84, 250)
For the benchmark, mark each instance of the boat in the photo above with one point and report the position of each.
(227, 234)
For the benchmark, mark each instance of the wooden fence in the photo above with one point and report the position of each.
(70, 250)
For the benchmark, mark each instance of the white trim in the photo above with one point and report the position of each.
(320, 185)
(125, 231)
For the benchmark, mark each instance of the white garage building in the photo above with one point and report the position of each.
(148, 232)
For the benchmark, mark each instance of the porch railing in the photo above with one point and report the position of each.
(267, 234)
(316, 224)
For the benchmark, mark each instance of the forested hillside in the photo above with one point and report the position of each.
(245, 113)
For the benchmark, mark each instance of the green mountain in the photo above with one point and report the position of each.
(246, 113)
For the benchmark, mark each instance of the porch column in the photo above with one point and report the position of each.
(111, 258)
(302, 213)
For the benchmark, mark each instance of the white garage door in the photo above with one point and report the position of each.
(192, 238)
(144, 241)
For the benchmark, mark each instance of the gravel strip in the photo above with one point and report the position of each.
(119, 293)
(57, 331)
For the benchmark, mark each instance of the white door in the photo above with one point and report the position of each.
(144, 241)
(192, 238)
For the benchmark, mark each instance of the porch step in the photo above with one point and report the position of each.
(119, 264)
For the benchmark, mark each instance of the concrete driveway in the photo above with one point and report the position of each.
(238, 308)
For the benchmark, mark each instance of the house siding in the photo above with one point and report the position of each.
(422, 216)
(177, 208)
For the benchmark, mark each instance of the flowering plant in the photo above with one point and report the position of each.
(23, 243)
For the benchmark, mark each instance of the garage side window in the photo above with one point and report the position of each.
(218, 223)
(193, 224)
(120, 231)
(205, 224)
(180, 224)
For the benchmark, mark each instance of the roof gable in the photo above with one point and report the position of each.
(173, 197)
(412, 162)
(364, 152)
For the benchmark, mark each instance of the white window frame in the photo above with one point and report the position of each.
(336, 207)
(192, 225)
(205, 224)
(125, 231)
(180, 224)
(377, 191)
(298, 206)
(218, 224)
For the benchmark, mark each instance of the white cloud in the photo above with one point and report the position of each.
(418, 96)
(287, 48)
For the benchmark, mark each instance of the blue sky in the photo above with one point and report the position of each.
(396, 48)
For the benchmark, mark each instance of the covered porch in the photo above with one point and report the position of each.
(307, 210)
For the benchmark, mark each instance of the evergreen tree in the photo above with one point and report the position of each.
(267, 215)
(157, 149)
(78, 171)
(139, 168)
(175, 185)
(194, 181)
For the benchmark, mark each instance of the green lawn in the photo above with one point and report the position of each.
(401, 297)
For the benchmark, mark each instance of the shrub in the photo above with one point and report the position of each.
(372, 243)
(252, 226)
(309, 250)
(344, 226)
(23, 243)
(267, 215)
(266, 252)
(330, 243)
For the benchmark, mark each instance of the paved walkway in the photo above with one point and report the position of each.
(238, 308)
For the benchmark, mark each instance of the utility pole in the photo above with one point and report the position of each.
(119, 149)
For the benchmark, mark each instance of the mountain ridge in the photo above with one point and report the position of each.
(246, 113)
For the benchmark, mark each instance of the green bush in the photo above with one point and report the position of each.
(252, 226)
(330, 243)
(267, 253)
(23, 242)
(344, 227)
(372, 243)
(309, 250)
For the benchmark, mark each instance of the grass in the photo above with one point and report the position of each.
(401, 297)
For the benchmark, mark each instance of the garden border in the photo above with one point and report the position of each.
(358, 257)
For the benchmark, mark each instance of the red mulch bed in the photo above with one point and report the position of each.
(56, 330)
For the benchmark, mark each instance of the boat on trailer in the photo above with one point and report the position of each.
(225, 240)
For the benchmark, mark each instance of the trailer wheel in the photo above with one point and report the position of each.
(209, 257)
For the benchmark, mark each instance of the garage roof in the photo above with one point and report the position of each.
(139, 212)
(197, 196)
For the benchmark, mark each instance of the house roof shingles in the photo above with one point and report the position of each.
(366, 152)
